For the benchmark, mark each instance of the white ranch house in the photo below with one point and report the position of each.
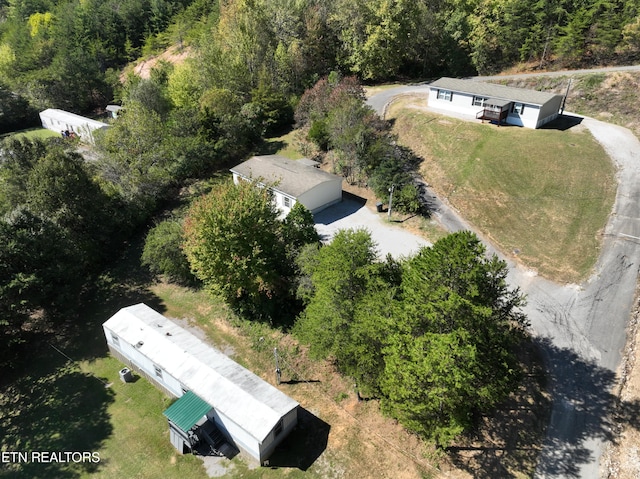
(292, 181)
(60, 121)
(499, 103)
(222, 406)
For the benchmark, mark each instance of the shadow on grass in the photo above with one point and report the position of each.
(55, 409)
(124, 284)
(583, 409)
(271, 147)
(304, 445)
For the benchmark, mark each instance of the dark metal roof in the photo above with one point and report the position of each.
(187, 411)
(492, 90)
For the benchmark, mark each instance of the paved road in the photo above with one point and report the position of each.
(580, 328)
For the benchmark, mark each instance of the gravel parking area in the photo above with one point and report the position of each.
(353, 213)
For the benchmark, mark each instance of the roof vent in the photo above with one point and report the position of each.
(140, 343)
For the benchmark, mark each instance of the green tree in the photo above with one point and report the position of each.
(39, 276)
(163, 253)
(452, 353)
(298, 230)
(60, 190)
(338, 275)
(233, 243)
(137, 161)
(19, 156)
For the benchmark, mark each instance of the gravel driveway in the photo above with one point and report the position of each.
(351, 213)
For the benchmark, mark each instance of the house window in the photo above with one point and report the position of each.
(158, 371)
(115, 340)
(479, 101)
(286, 201)
(278, 430)
(444, 95)
(518, 108)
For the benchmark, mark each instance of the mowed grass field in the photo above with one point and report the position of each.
(543, 196)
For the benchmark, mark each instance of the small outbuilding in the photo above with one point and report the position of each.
(292, 181)
(497, 103)
(221, 405)
(69, 123)
(114, 110)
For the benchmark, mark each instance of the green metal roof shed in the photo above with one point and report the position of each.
(187, 411)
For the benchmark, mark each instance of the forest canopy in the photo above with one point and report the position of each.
(67, 54)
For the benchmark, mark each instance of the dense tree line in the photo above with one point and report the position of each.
(433, 336)
(67, 53)
(57, 228)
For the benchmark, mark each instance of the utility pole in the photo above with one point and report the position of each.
(390, 200)
(564, 99)
(275, 353)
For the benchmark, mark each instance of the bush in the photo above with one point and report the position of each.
(163, 253)
(319, 134)
(407, 199)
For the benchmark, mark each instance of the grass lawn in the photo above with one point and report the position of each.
(541, 195)
(285, 145)
(138, 445)
(33, 133)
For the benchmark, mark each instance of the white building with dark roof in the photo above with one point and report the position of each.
(499, 103)
(223, 397)
(292, 181)
(64, 121)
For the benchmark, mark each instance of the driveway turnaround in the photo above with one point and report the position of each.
(581, 329)
(352, 213)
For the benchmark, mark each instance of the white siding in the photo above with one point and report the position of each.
(236, 435)
(60, 120)
(533, 116)
(246, 408)
(140, 361)
(271, 441)
(322, 196)
(528, 117)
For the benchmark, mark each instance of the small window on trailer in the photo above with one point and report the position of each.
(278, 429)
(158, 371)
(115, 339)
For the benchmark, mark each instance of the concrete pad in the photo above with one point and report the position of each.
(352, 213)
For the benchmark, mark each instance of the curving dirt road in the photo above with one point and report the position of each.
(581, 329)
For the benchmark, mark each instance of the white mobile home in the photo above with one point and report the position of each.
(488, 101)
(217, 395)
(293, 181)
(63, 121)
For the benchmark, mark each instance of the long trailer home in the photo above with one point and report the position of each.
(493, 102)
(221, 404)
